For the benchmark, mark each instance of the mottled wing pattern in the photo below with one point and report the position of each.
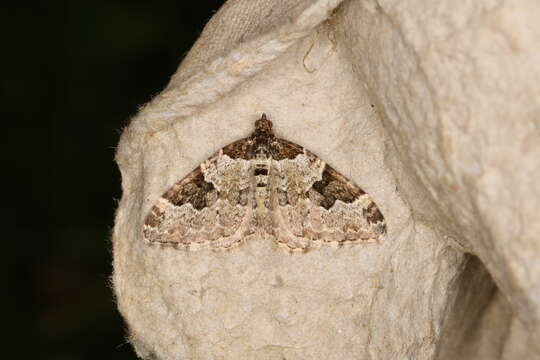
(314, 205)
(267, 184)
(210, 207)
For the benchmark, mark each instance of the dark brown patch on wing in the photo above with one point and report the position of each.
(154, 218)
(282, 149)
(333, 186)
(373, 214)
(192, 189)
(240, 149)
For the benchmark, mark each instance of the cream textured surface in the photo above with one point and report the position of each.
(432, 108)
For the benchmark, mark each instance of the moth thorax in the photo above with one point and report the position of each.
(261, 154)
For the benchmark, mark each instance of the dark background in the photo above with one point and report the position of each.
(73, 75)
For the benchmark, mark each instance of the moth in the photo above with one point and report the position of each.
(263, 184)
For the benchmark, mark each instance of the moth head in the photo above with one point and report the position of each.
(263, 126)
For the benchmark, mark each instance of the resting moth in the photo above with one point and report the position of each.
(263, 184)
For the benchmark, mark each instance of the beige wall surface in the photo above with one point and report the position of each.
(431, 107)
